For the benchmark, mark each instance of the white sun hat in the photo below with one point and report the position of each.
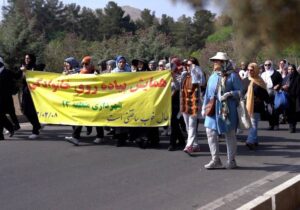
(220, 56)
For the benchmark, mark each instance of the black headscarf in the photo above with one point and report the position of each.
(32, 63)
(145, 64)
(294, 87)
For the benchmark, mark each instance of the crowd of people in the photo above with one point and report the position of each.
(195, 95)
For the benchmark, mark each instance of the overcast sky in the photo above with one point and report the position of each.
(159, 6)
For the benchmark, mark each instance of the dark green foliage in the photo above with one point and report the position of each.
(147, 19)
(221, 35)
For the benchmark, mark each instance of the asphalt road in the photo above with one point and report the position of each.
(50, 173)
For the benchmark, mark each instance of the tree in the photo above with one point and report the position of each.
(202, 27)
(149, 44)
(59, 49)
(166, 24)
(88, 22)
(72, 17)
(114, 21)
(221, 35)
(181, 33)
(47, 18)
(147, 19)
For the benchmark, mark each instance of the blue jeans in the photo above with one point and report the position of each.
(252, 135)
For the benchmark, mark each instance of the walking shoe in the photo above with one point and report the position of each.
(172, 148)
(214, 164)
(231, 164)
(98, 140)
(11, 133)
(292, 129)
(33, 136)
(188, 150)
(6, 132)
(250, 146)
(142, 143)
(72, 140)
(120, 143)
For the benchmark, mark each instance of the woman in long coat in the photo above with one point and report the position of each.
(225, 85)
(293, 90)
(27, 104)
(6, 100)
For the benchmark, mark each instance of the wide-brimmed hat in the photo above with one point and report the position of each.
(137, 60)
(220, 56)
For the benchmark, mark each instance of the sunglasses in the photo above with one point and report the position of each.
(268, 64)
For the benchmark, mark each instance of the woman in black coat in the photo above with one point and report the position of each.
(27, 104)
(292, 87)
(6, 100)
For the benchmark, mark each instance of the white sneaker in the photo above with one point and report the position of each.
(98, 140)
(231, 164)
(6, 132)
(33, 136)
(214, 164)
(72, 140)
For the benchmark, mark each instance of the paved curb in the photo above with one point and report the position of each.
(284, 197)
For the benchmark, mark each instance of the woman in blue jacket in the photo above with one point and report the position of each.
(225, 85)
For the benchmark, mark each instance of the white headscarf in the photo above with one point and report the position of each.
(266, 76)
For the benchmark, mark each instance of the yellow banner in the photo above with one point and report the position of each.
(116, 99)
